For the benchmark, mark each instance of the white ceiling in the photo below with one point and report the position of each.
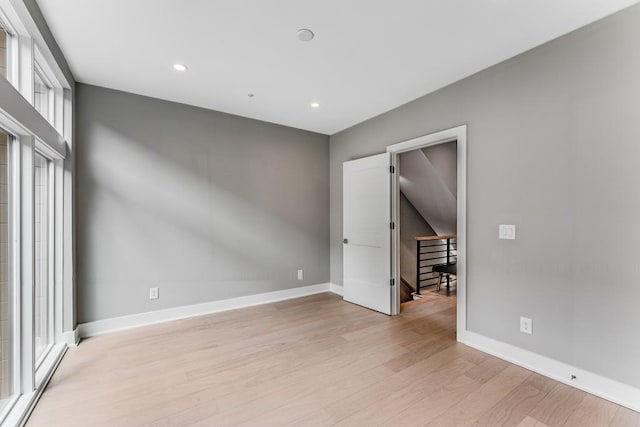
(368, 56)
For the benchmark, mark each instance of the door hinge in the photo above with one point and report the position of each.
(392, 225)
(392, 282)
(392, 169)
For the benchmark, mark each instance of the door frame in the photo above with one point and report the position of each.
(458, 134)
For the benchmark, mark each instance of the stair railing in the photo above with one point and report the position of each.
(432, 251)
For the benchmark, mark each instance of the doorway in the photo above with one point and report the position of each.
(427, 223)
(371, 203)
(446, 234)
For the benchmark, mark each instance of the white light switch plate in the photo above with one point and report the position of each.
(507, 232)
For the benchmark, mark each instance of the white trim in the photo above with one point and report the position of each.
(395, 234)
(606, 388)
(27, 401)
(71, 338)
(458, 134)
(336, 289)
(27, 266)
(14, 165)
(15, 31)
(122, 323)
(39, 72)
(28, 28)
(435, 138)
(58, 251)
(21, 118)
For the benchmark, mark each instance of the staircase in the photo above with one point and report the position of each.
(406, 290)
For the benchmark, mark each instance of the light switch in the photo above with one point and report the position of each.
(507, 232)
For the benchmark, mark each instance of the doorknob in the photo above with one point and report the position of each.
(345, 241)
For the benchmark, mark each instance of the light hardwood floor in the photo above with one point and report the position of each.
(315, 361)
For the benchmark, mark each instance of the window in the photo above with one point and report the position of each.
(6, 389)
(42, 278)
(4, 52)
(42, 95)
(35, 318)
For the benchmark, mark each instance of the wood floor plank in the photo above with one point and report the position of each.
(626, 418)
(540, 382)
(383, 411)
(513, 409)
(531, 422)
(436, 404)
(313, 361)
(468, 410)
(487, 369)
(285, 389)
(558, 405)
(295, 409)
(400, 381)
(592, 412)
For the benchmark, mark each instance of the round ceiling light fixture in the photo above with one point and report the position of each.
(315, 105)
(305, 35)
(180, 67)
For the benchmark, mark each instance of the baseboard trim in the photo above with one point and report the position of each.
(336, 289)
(71, 338)
(100, 327)
(614, 391)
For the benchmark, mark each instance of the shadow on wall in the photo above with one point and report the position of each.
(428, 178)
(203, 204)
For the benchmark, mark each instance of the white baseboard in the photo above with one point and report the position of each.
(336, 289)
(614, 391)
(71, 338)
(105, 326)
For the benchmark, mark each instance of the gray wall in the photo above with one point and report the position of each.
(553, 146)
(201, 204)
(427, 183)
(444, 157)
(412, 225)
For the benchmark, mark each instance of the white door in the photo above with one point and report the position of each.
(367, 232)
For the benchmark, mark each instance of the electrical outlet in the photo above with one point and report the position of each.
(526, 325)
(154, 293)
(300, 274)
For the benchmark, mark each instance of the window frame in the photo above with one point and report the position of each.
(13, 267)
(13, 70)
(55, 88)
(31, 132)
(30, 375)
(50, 254)
(49, 113)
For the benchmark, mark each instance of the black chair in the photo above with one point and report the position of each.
(442, 269)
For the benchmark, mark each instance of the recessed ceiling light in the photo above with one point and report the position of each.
(314, 105)
(180, 67)
(305, 35)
